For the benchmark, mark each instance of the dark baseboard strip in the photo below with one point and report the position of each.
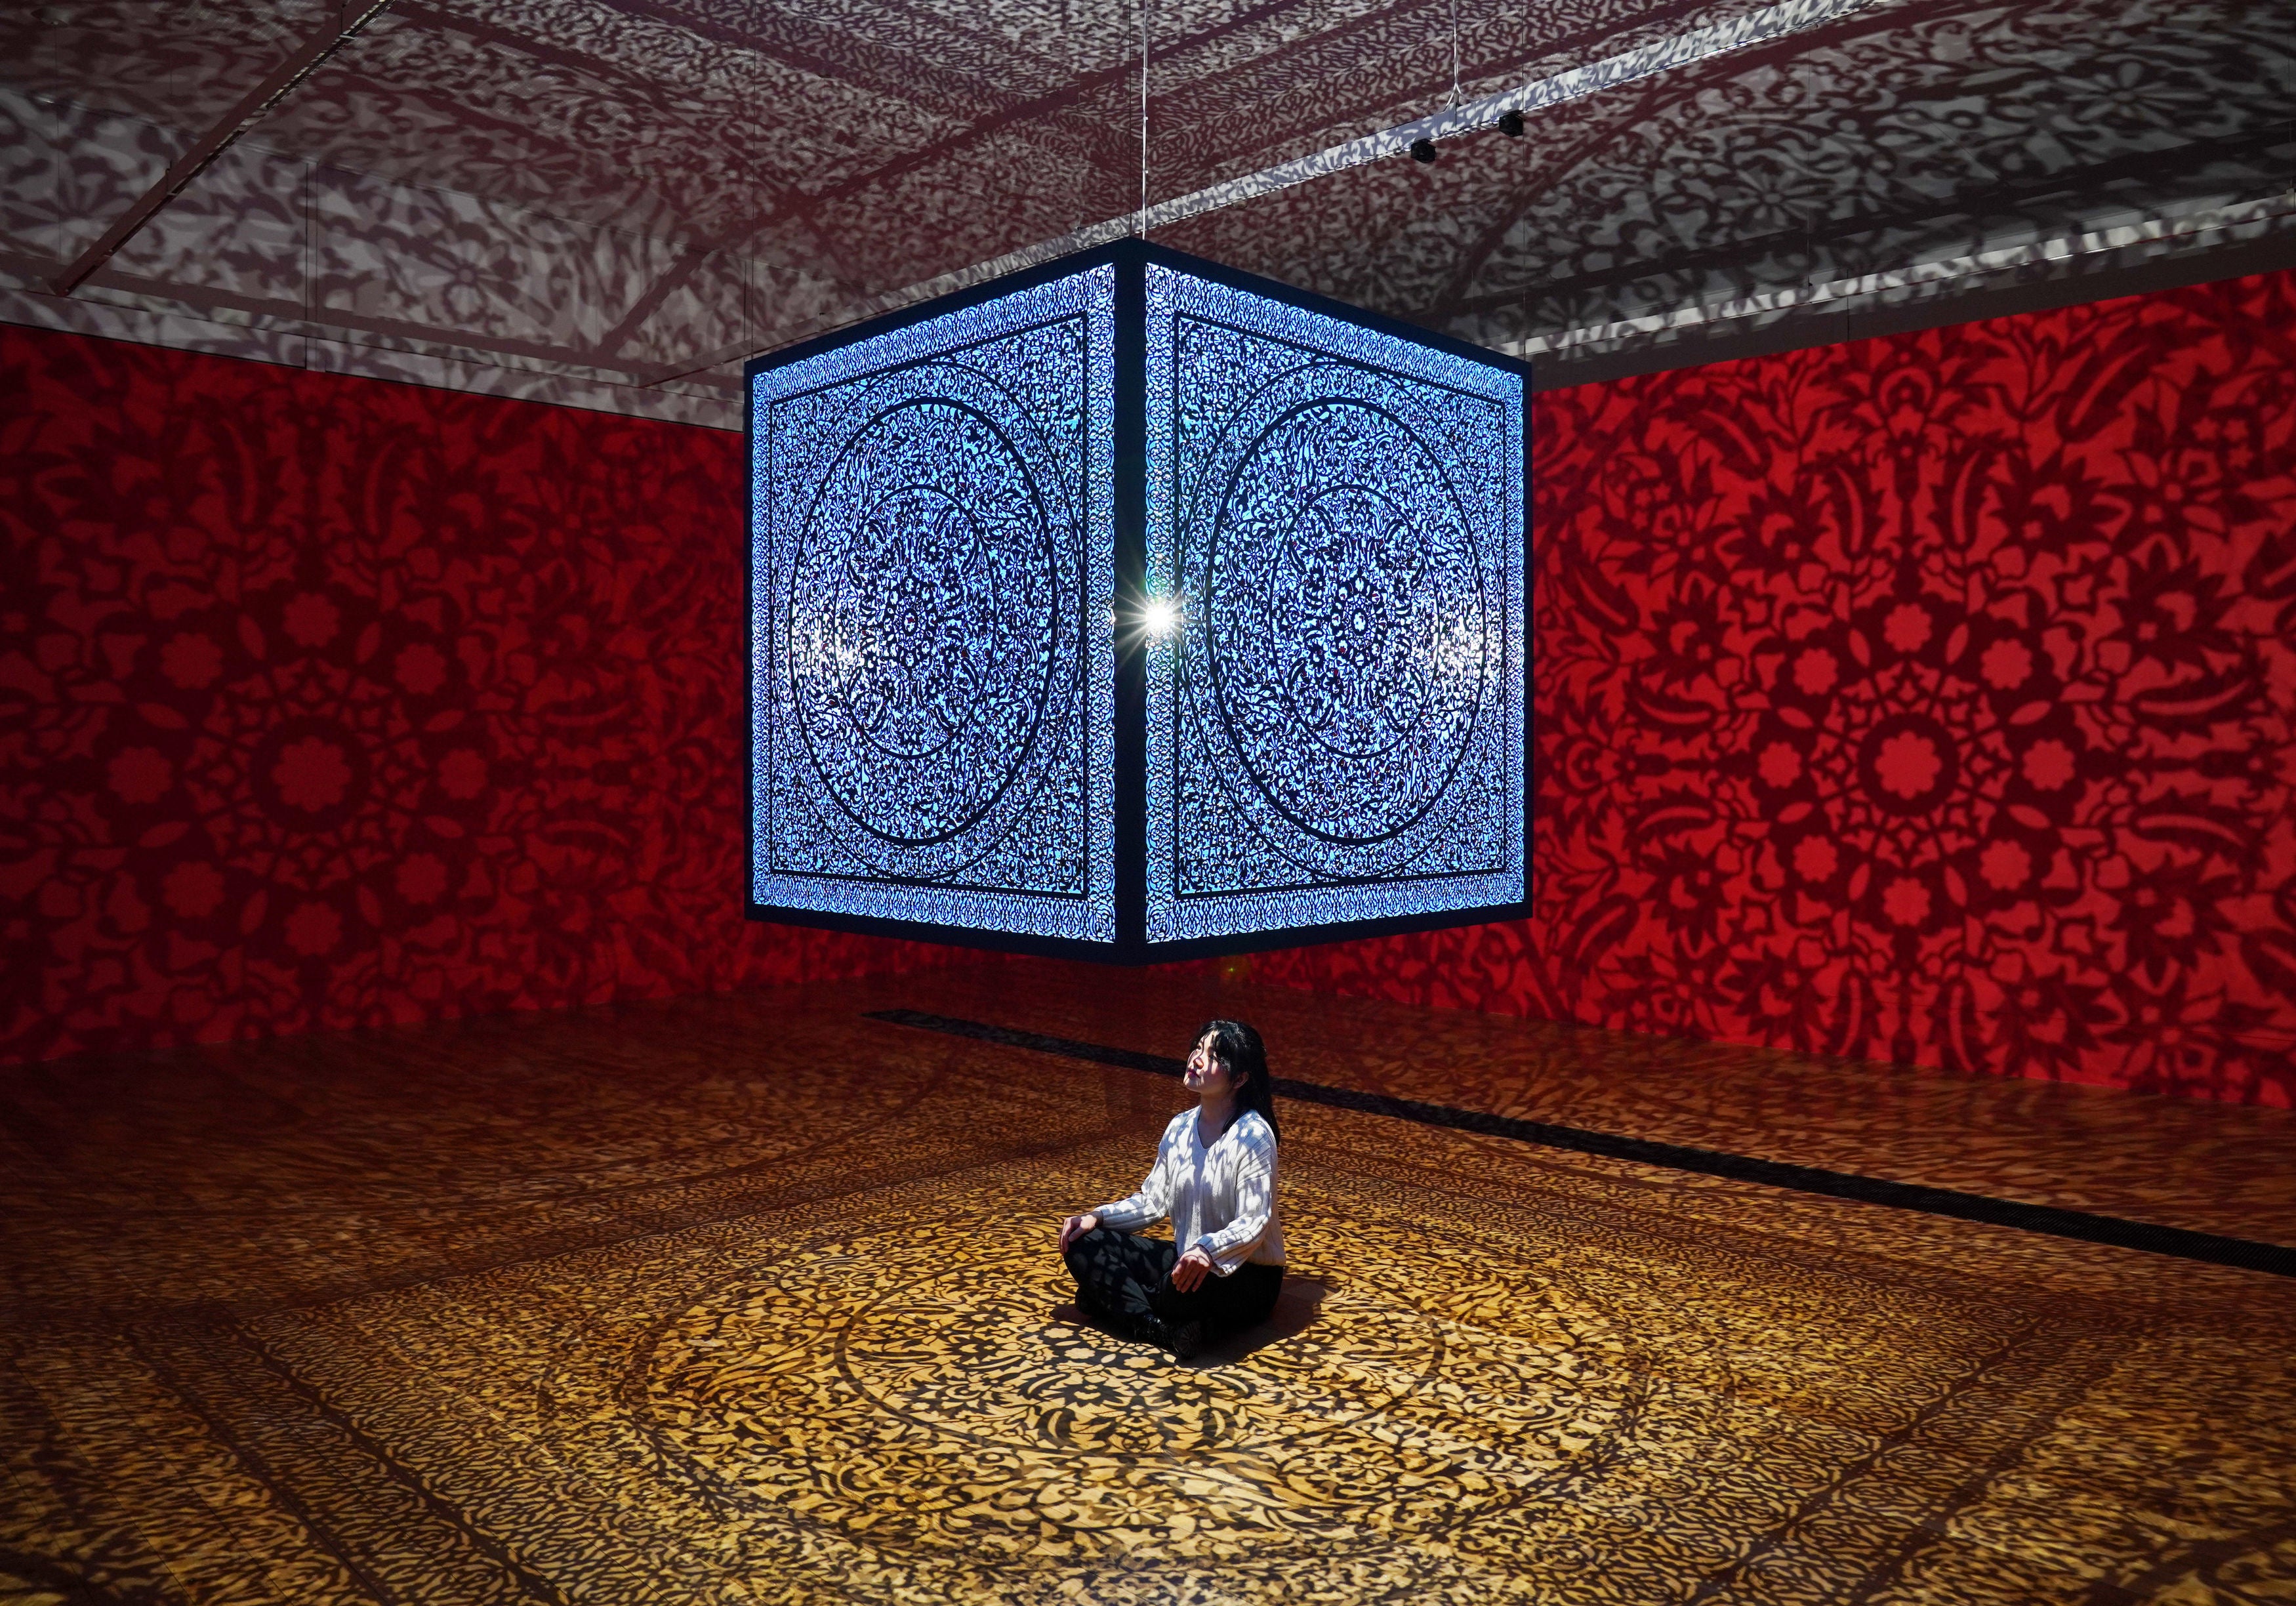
(2243, 1253)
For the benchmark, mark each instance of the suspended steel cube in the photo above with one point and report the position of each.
(1137, 608)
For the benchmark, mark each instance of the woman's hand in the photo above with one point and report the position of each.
(1194, 1267)
(1076, 1227)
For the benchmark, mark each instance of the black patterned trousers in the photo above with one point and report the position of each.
(1124, 1281)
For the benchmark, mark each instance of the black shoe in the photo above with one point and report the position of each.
(1100, 1319)
(1185, 1341)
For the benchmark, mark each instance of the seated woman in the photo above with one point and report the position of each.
(1215, 1177)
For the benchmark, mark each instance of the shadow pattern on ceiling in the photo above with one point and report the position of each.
(612, 202)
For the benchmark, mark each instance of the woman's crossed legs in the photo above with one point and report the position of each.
(1124, 1281)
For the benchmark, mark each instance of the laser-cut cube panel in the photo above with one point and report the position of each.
(1336, 733)
(958, 728)
(932, 538)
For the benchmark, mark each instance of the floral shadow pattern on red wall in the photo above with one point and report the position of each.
(1926, 699)
(328, 703)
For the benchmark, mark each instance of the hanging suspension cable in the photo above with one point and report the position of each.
(1140, 228)
(1455, 52)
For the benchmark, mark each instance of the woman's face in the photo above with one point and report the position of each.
(1205, 1073)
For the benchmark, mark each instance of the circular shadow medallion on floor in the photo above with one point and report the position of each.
(913, 1387)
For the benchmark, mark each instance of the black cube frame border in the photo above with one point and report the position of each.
(1130, 258)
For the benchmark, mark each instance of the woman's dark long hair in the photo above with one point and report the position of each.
(1245, 1057)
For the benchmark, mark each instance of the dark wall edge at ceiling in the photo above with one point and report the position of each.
(1801, 332)
(21, 307)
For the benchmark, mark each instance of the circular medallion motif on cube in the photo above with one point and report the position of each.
(1351, 646)
(923, 622)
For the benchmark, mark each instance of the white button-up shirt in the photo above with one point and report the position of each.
(1221, 1198)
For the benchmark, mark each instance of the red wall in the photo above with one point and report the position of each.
(1925, 698)
(327, 702)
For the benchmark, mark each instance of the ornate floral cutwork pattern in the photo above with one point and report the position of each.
(932, 1373)
(326, 702)
(927, 594)
(1342, 661)
(1924, 699)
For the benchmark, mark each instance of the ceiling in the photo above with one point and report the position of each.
(613, 202)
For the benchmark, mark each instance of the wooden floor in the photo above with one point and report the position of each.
(754, 1300)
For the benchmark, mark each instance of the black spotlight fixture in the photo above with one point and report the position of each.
(1510, 123)
(1422, 150)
